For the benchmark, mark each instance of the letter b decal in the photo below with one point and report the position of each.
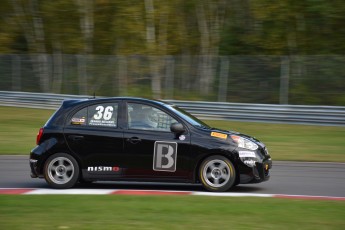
(165, 156)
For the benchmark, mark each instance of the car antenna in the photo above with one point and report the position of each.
(94, 94)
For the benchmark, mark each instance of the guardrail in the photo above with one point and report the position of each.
(292, 114)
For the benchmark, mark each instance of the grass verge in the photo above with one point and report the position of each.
(167, 212)
(294, 142)
(19, 127)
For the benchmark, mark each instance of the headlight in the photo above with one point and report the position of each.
(244, 143)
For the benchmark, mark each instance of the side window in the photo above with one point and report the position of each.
(146, 117)
(103, 115)
(97, 115)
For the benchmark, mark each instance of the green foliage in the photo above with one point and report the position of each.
(120, 27)
(180, 28)
(286, 27)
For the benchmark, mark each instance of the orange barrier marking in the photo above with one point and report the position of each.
(14, 191)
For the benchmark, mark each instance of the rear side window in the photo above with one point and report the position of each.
(104, 114)
(79, 118)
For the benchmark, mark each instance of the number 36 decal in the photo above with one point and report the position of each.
(108, 112)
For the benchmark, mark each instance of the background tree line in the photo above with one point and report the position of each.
(198, 32)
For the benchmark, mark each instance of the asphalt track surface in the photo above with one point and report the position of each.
(291, 178)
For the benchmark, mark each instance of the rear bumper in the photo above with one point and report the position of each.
(36, 162)
(33, 167)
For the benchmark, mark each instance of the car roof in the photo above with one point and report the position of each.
(69, 104)
(73, 102)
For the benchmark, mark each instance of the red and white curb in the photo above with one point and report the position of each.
(32, 191)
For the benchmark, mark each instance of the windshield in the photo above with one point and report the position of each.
(189, 117)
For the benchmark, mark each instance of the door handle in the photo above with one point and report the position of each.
(134, 140)
(76, 137)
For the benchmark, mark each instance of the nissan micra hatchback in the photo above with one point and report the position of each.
(134, 139)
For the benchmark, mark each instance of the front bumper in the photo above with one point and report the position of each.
(256, 174)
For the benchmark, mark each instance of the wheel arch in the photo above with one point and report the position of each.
(64, 180)
(227, 155)
(78, 160)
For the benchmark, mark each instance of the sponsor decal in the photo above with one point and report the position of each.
(78, 121)
(246, 154)
(250, 163)
(103, 169)
(102, 123)
(219, 135)
(164, 156)
(182, 137)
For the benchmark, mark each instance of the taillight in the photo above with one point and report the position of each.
(39, 135)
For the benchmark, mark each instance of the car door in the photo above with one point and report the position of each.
(94, 135)
(152, 150)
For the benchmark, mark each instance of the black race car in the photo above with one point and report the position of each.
(134, 139)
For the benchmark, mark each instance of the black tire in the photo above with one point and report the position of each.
(217, 173)
(61, 171)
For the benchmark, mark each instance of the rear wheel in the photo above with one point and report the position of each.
(61, 171)
(217, 173)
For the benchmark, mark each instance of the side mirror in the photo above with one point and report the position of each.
(177, 128)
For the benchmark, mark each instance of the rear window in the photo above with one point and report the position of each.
(104, 114)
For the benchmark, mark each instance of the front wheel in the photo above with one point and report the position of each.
(217, 173)
(61, 171)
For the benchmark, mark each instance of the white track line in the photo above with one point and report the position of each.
(231, 194)
(70, 192)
